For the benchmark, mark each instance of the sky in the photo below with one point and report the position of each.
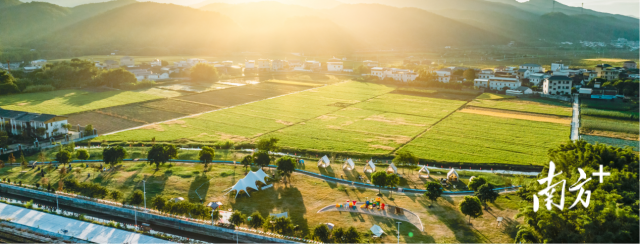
(623, 7)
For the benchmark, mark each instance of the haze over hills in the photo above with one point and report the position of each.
(145, 27)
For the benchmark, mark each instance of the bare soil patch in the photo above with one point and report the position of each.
(517, 115)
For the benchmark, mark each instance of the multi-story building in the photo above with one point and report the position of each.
(497, 83)
(486, 74)
(40, 125)
(606, 72)
(534, 68)
(395, 74)
(536, 79)
(443, 75)
(558, 67)
(249, 64)
(263, 64)
(334, 66)
(312, 65)
(278, 64)
(630, 65)
(557, 85)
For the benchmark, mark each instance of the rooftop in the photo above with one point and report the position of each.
(559, 78)
(532, 65)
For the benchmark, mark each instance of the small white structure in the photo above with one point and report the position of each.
(156, 62)
(536, 79)
(250, 64)
(423, 171)
(370, 63)
(371, 167)
(444, 75)
(178, 199)
(348, 165)
(557, 85)
(252, 176)
(534, 68)
(452, 175)
(377, 231)
(127, 61)
(263, 64)
(330, 226)
(324, 162)
(392, 169)
(39, 63)
(278, 64)
(394, 73)
(242, 185)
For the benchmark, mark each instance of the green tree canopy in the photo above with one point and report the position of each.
(469, 74)
(115, 77)
(261, 158)
(471, 206)
(268, 144)
(160, 154)
(237, 218)
(204, 72)
(82, 154)
(116, 195)
(256, 220)
(158, 203)
(476, 182)
(286, 165)
(322, 233)
(7, 83)
(434, 190)
(137, 197)
(247, 161)
(352, 235)
(379, 179)
(486, 193)
(63, 157)
(405, 158)
(113, 155)
(206, 155)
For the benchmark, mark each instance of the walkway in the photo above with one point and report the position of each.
(408, 215)
(575, 121)
(79, 229)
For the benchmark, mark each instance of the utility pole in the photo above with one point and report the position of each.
(144, 193)
(398, 232)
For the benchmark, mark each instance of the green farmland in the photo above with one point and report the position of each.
(540, 106)
(471, 138)
(63, 102)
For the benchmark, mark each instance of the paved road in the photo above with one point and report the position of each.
(575, 121)
(79, 229)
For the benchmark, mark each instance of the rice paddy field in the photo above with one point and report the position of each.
(533, 105)
(615, 120)
(64, 102)
(607, 124)
(473, 138)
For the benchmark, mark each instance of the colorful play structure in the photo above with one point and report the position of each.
(324, 162)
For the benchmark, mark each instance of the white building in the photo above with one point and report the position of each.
(158, 76)
(47, 124)
(444, 75)
(250, 64)
(38, 63)
(227, 63)
(334, 66)
(606, 72)
(156, 62)
(370, 63)
(278, 64)
(141, 74)
(486, 74)
(312, 65)
(558, 67)
(534, 68)
(524, 73)
(557, 85)
(127, 61)
(263, 64)
(536, 79)
(393, 73)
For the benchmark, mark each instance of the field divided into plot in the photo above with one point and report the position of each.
(63, 102)
(251, 120)
(472, 138)
(539, 106)
(378, 125)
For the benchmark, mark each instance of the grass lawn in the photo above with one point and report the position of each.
(301, 199)
(63, 102)
(491, 96)
(592, 123)
(473, 138)
(538, 105)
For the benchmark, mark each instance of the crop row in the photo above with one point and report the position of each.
(605, 124)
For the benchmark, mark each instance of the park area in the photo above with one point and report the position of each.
(301, 198)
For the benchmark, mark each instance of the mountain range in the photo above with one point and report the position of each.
(298, 25)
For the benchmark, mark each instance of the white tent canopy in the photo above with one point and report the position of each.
(371, 166)
(452, 175)
(261, 174)
(324, 162)
(348, 165)
(392, 169)
(252, 176)
(424, 170)
(377, 231)
(242, 185)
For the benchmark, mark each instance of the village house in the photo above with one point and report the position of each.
(38, 63)
(498, 83)
(263, 64)
(334, 66)
(249, 65)
(370, 63)
(295, 63)
(534, 68)
(41, 125)
(227, 63)
(443, 75)
(127, 61)
(486, 74)
(312, 65)
(557, 85)
(605, 71)
(141, 74)
(156, 62)
(629, 65)
(278, 64)
(558, 66)
(523, 73)
(394, 73)
(536, 79)
(598, 93)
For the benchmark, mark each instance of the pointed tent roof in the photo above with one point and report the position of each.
(324, 161)
(424, 169)
(349, 164)
(252, 176)
(242, 185)
(452, 172)
(393, 167)
(261, 174)
(377, 231)
(370, 165)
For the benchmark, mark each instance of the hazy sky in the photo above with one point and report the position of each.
(624, 7)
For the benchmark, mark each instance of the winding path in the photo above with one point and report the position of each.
(407, 217)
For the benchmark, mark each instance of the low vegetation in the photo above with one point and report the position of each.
(534, 105)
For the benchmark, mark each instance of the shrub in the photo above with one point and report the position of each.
(38, 88)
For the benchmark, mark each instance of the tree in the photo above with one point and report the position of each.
(7, 83)
(469, 74)
(362, 69)
(237, 218)
(286, 165)
(379, 179)
(256, 220)
(486, 194)
(268, 144)
(158, 203)
(322, 232)
(4, 139)
(215, 215)
(115, 77)
(157, 155)
(137, 197)
(283, 225)
(247, 161)
(88, 130)
(63, 157)
(113, 155)
(261, 158)
(204, 72)
(392, 181)
(337, 235)
(352, 235)
(82, 154)
(471, 206)
(11, 158)
(434, 191)
(171, 151)
(476, 182)
(405, 158)
(206, 155)
(116, 195)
